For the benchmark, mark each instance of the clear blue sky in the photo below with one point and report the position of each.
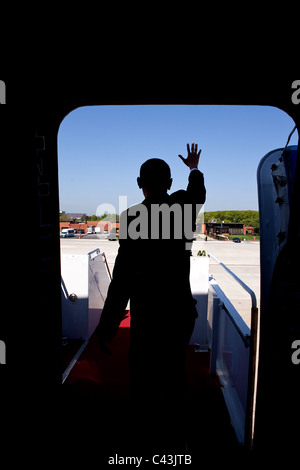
(100, 151)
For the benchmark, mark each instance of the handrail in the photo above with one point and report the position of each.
(93, 251)
(244, 286)
(252, 373)
(97, 250)
(228, 307)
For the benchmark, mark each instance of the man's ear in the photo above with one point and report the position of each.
(139, 182)
(170, 183)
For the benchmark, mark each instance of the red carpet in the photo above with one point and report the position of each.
(96, 395)
(103, 374)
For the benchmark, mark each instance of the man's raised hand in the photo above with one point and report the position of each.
(192, 158)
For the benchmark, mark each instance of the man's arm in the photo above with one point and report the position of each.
(196, 193)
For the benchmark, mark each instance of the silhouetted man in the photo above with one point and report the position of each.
(152, 270)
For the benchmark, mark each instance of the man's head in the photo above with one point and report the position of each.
(155, 177)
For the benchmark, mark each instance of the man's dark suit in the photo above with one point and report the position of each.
(154, 275)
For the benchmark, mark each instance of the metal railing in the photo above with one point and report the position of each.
(251, 342)
(97, 251)
(244, 286)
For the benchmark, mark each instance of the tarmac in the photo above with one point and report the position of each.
(243, 259)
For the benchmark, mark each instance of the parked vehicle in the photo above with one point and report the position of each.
(236, 240)
(112, 237)
(67, 232)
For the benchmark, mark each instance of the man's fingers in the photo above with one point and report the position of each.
(193, 151)
(194, 148)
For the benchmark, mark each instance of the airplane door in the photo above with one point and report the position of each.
(277, 389)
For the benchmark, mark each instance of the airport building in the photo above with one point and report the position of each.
(90, 226)
(228, 228)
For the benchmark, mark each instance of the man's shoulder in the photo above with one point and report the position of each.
(178, 196)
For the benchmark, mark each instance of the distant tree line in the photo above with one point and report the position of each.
(63, 217)
(107, 217)
(248, 218)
